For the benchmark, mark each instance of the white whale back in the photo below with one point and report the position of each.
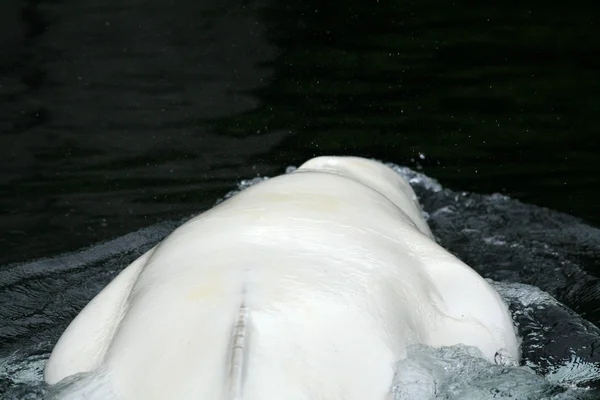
(306, 286)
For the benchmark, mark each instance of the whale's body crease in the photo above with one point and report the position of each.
(239, 347)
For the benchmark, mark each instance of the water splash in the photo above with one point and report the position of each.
(462, 372)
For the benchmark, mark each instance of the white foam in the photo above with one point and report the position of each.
(461, 372)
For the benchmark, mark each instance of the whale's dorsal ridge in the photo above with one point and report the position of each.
(238, 350)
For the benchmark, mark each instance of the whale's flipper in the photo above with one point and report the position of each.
(83, 345)
(474, 313)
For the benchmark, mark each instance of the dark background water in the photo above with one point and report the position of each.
(116, 114)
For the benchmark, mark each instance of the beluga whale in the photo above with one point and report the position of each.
(306, 286)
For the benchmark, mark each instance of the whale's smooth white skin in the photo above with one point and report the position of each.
(307, 286)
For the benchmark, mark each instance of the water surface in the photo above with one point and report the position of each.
(119, 114)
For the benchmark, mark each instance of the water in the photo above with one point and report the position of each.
(560, 358)
(120, 115)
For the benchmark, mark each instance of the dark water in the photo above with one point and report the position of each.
(117, 114)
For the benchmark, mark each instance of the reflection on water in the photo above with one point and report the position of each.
(118, 114)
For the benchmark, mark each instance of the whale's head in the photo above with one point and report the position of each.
(377, 176)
